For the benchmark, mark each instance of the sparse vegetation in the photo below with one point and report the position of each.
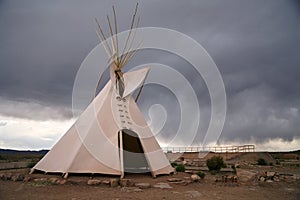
(262, 162)
(215, 164)
(201, 175)
(233, 168)
(180, 168)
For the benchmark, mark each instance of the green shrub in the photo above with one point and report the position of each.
(233, 168)
(215, 163)
(213, 172)
(201, 175)
(180, 168)
(262, 161)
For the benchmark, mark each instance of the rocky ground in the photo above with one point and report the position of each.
(250, 182)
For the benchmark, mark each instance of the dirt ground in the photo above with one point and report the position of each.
(77, 189)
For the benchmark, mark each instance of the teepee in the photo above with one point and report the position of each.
(111, 136)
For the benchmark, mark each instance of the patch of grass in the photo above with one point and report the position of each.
(213, 172)
(180, 168)
(201, 175)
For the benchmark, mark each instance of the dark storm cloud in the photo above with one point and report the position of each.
(255, 44)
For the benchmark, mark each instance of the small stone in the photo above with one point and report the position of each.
(270, 174)
(262, 179)
(93, 182)
(296, 177)
(54, 180)
(40, 179)
(276, 178)
(175, 180)
(162, 186)
(193, 194)
(269, 181)
(189, 171)
(131, 189)
(62, 182)
(27, 179)
(195, 178)
(3, 177)
(17, 177)
(105, 182)
(143, 185)
(114, 182)
(125, 182)
(8, 176)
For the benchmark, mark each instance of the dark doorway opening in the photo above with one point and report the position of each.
(134, 160)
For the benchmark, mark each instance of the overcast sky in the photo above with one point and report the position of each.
(255, 45)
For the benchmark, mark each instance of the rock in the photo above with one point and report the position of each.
(276, 178)
(189, 171)
(3, 177)
(193, 194)
(27, 179)
(131, 189)
(105, 182)
(114, 182)
(296, 177)
(245, 175)
(262, 179)
(162, 186)
(8, 176)
(125, 182)
(94, 182)
(195, 178)
(143, 185)
(40, 179)
(218, 179)
(270, 174)
(17, 177)
(269, 181)
(175, 180)
(54, 180)
(62, 182)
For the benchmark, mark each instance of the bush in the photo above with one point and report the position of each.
(180, 168)
(233, 168)
(262, 161)
(215, 163)
(201, 175)
(213, 172)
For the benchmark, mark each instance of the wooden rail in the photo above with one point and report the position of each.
(242, 148)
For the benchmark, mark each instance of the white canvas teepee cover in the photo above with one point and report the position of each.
(91, 145)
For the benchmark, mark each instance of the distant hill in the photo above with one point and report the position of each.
(9, 155)
(10, 151)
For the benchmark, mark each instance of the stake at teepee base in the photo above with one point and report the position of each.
(121, 154)
(111, 136)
